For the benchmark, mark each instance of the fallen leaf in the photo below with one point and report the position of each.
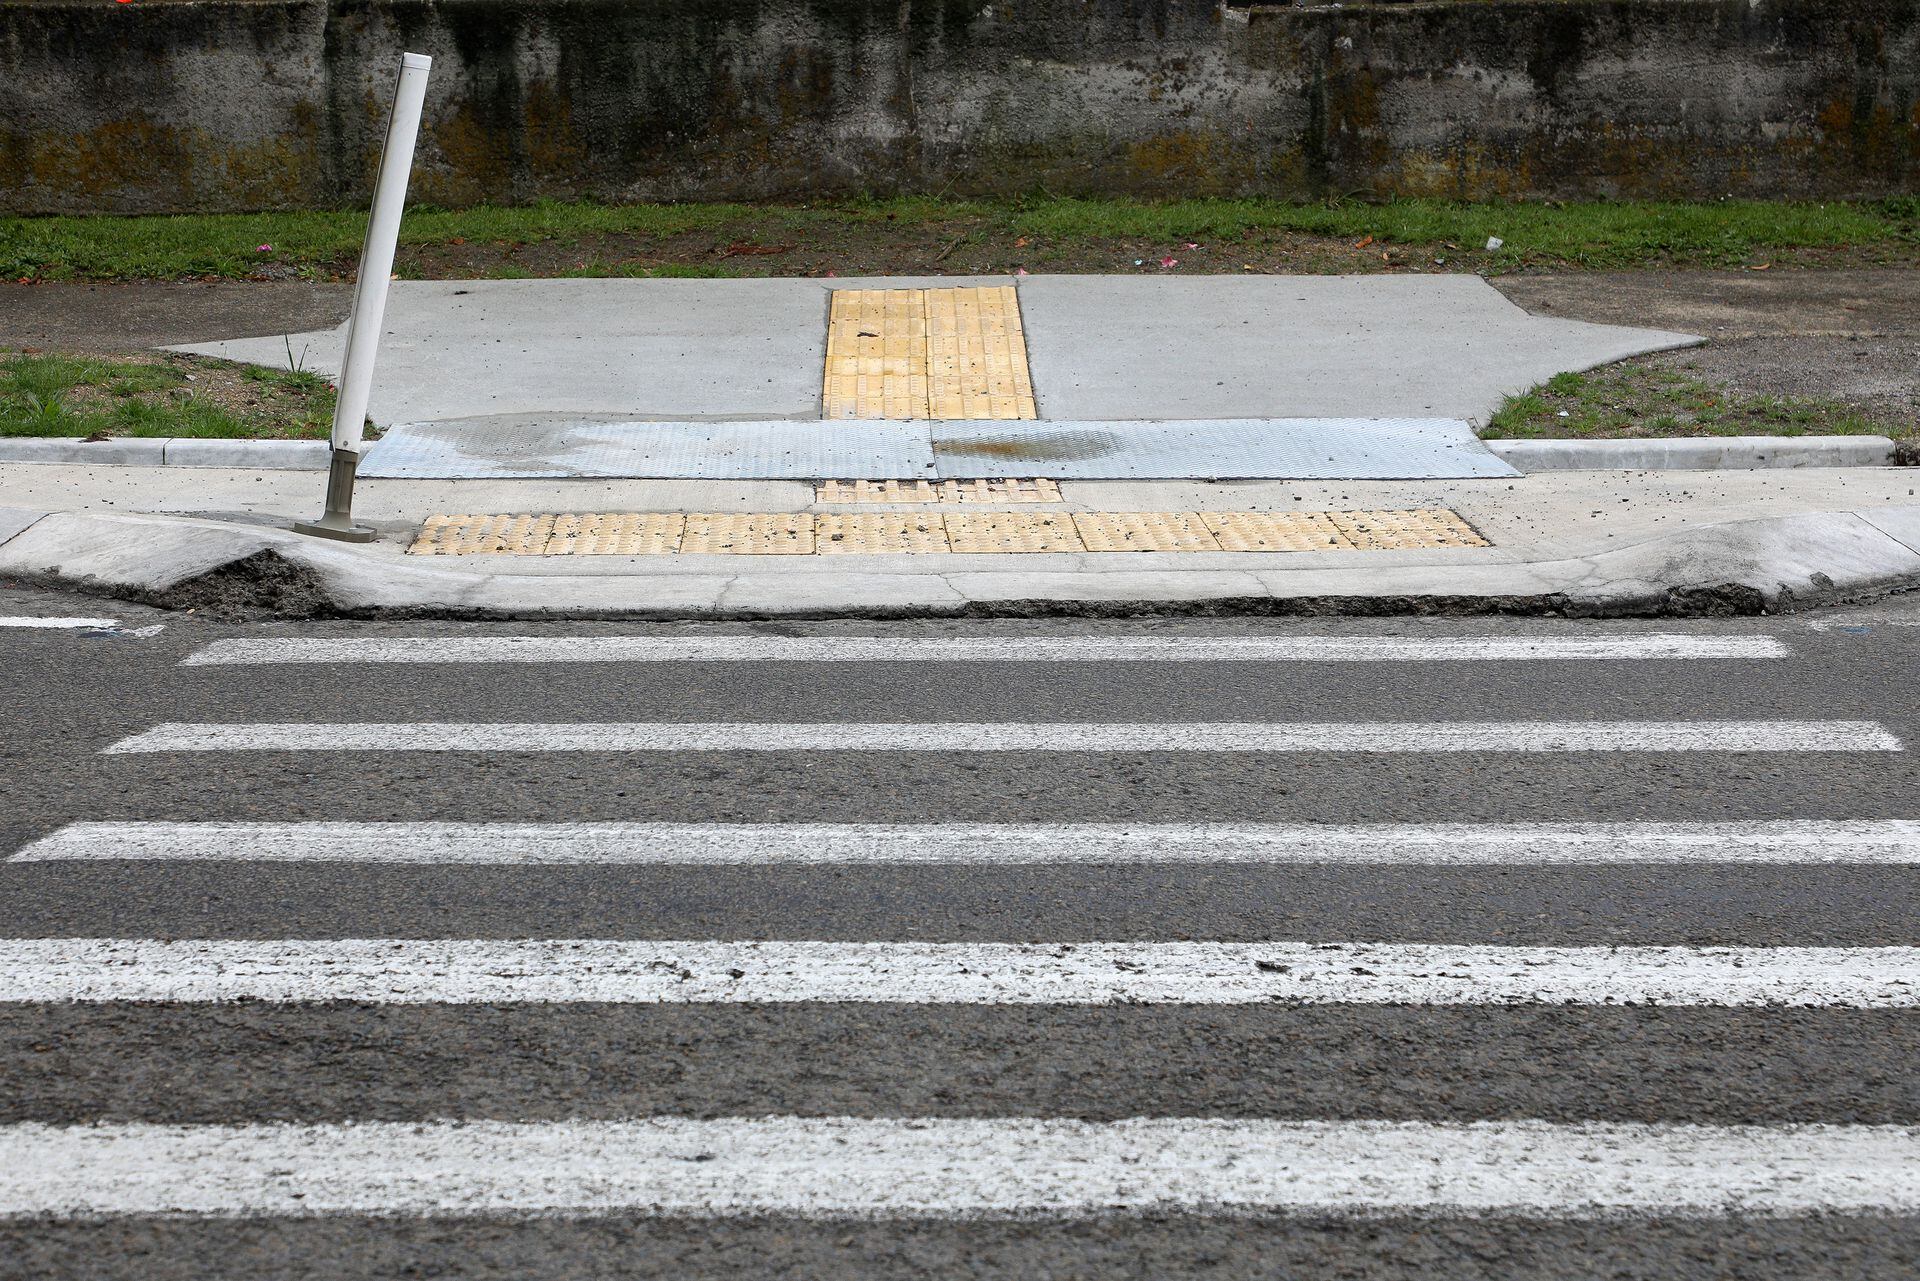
(1022, 242)
(1362, 244)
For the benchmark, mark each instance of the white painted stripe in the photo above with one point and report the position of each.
(1890, 841)
(977, 649)
(466, 971)
(1864, 618)
(59, 624)
(1231, 736)
(914, 1167)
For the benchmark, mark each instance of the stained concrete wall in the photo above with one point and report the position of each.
(185, 105)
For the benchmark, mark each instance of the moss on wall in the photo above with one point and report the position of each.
(235, 104)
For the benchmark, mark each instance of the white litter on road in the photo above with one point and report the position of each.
(624, 971)
(912, 1167)
(1231, 736)
(995, 649)
(1889, 841)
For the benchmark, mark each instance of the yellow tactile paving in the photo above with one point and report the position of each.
(876, 354)
(936, 491)
(979, 530)
(1401, 530)
(616, 534)
(875, 491)
(999, 491)
(744, 534)
(483, 535)
(977, 355)
(1276, 532)
(1012, 532)
(926, 353)
(874, 532)
(1143, 532)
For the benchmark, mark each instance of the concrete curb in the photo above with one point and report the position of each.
(173, 451)
(1697, 453)
(1677, 454)
(1743, 567)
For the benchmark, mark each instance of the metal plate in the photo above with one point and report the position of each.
(880, 449)
(780, 449)
(1210, 449)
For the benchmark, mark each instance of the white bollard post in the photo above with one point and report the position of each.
(370, 303)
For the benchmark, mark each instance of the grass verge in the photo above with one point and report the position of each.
(162, 395)
(1622, 401)
(922, 235)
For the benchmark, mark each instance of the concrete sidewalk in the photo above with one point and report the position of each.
(1101, 347)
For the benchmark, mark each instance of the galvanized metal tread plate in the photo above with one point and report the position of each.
(890, 449)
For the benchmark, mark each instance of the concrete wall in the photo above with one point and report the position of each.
(245, 104)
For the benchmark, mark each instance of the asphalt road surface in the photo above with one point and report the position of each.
(1390, 949)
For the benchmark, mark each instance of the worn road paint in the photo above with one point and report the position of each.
(1865, 841)
(60, 624)
(624, 971)
(910, 1167)
(1229, 736)
(995, 649)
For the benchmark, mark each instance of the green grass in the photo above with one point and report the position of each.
(1635, 401)
(60, 395)
(1584, 235)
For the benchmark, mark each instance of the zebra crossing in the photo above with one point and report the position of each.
(832, 1161)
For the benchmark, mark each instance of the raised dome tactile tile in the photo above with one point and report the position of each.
(770, 534)
(1276, 532)
(989, 531)
(936, 531)
(468, 535)
(616, 534)
(1143, 532)
(872, 533)
(1400, 530)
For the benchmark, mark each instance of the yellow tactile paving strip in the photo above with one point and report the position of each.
(838, 533)
(1012, 532)
(770, 534)
(869, 532)
(936, 491)
(926, 353)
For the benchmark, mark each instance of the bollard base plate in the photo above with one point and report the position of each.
(336, 521)
(334, 527)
